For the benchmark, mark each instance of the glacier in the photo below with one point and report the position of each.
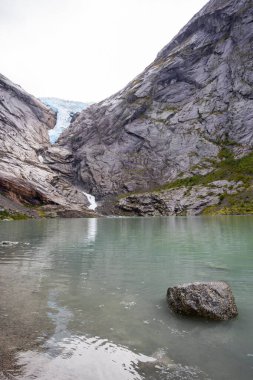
(65, 110)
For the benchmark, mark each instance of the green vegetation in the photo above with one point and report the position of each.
(237, 204)
(12, 216)
(41, 213)
(227, 169)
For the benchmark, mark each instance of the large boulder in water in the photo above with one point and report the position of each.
(212, 300)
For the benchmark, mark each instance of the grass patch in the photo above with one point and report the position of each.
(227, 169)
(12, 216)
(236, 204)
(41, 213)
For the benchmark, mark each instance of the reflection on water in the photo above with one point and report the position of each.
(81, 357)
(98, 359)
(92, 229)
(86, 298)
(68, 357)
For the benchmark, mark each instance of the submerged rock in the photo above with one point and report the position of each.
(6, 243)
(212, 300)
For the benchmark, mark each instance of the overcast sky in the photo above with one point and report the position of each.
(85, 49)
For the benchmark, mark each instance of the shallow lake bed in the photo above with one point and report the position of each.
(86, 298)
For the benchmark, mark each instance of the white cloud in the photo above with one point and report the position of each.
(85, 49)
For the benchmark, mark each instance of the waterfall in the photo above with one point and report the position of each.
(91, 200)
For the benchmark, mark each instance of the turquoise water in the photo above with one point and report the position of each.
(85, 298)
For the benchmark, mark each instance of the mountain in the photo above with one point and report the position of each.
(26, 180)
(65, 110)
(177, 140)
(178, 118)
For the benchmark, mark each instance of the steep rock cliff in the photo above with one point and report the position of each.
(173, 119)
(25, 177)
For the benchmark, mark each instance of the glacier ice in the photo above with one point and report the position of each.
(65, 109)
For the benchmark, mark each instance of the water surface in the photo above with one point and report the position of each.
(85, 299)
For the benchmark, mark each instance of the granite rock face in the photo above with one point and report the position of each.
(25, 176)
(212, 300)
(170, 122)
(175, 117)
(179, 201)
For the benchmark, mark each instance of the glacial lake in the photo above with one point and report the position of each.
(85, 299)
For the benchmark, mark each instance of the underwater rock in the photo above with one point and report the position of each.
(6, 243)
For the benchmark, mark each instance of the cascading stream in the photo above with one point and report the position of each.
(91, 199)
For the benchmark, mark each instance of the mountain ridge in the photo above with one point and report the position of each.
(176, 116)
(184, 123)
(28, 186)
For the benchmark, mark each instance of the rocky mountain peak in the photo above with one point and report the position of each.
(173, 119)
(185, 120)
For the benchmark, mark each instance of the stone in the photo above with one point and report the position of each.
(176, 116)
(25, 153)
(169, 122)
(178, 201)
(7, 243)
(211, 300)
